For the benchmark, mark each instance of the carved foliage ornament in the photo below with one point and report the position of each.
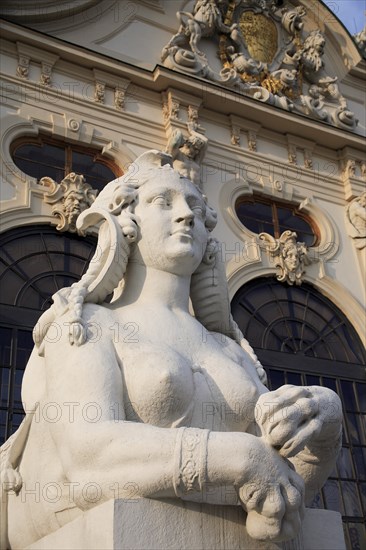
(69, 198)
(265, 54)
(290, 256)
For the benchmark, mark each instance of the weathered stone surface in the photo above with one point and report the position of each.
(150, 524)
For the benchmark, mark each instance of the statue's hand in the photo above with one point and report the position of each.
(274, 496)
(294, 416)
(10, 479)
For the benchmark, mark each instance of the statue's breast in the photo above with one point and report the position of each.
(158, 385)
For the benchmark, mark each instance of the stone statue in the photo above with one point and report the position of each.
(188, 154)
(290, 256)
(203, 22)
(356, 218)
(115, 392)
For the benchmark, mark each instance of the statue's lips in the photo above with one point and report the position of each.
(183, 233)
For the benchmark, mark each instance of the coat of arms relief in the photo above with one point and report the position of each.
(261, 50)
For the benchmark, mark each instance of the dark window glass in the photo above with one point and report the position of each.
(35, 263)
(42, 158)
(289, 220)
(280, 321)
(97, 174)
(277, 379)
(264, 215)
(256, 216)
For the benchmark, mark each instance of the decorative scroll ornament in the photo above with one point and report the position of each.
(264, 53)
(290, 256)
(69, 198)
(356, 220)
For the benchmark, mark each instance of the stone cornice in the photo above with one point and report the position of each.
(214, 97)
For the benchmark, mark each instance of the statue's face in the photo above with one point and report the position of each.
(75, 203)
(292, 259)
(189, 149)
(171, 217)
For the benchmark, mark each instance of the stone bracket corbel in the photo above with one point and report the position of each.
(181, 111)
(296, 144)
(119, 85)
(239, 125)
(47, 60)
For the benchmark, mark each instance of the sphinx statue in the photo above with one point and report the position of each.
(114, 391)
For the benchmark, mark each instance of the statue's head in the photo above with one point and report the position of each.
(291, 256)
(173, 222)
(151, 214)
(74, 203)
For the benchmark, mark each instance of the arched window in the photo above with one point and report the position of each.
(42, 156)
(260, 214)
(302, 338)
(35, 263)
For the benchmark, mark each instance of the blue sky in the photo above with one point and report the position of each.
(350, 12)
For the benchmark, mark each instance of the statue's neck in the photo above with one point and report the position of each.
(147, 285)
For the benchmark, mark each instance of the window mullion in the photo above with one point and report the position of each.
(68, 160)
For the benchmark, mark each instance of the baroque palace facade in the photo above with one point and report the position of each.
(261, 102)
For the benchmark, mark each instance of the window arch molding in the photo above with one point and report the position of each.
(236, 188)
(24, 197)
(330, 288)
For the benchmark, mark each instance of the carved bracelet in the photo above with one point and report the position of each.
(190, 461)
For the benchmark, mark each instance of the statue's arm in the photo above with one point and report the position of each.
(97, 445)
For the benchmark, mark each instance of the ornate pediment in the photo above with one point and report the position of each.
(264, 53)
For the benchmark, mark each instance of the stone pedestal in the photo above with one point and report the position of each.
(146, 524)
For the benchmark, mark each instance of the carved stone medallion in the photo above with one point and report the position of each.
(260, 35)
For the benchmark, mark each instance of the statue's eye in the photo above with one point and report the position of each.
(160, 200)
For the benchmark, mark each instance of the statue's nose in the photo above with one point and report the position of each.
(187, 219)
(184, 214)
